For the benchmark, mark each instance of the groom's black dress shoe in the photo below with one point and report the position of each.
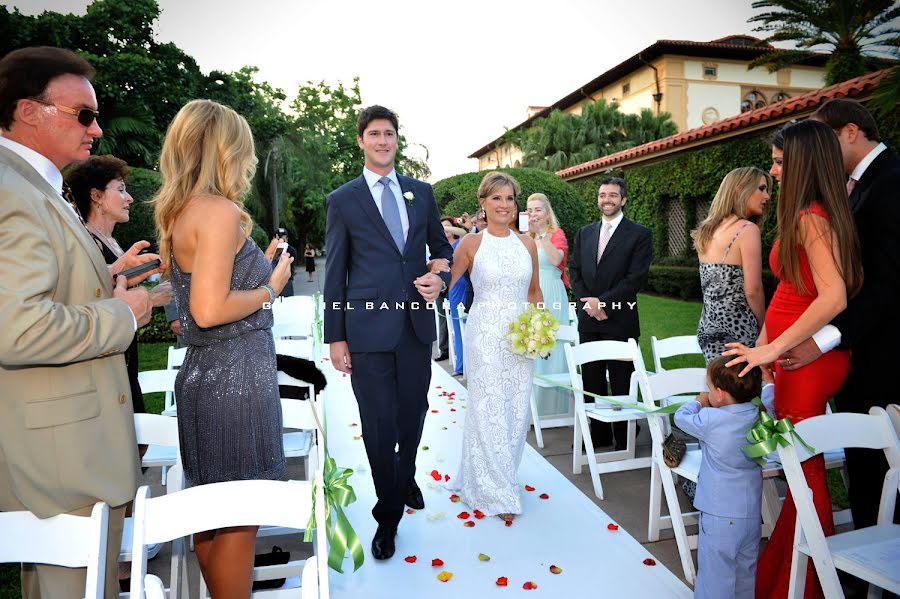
(383, 542)
(414, 497)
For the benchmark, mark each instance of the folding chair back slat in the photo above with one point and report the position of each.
(64, 540)
(673, 346)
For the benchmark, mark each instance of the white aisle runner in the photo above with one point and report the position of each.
(566, 529)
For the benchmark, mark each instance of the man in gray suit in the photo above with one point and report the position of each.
(66, 424)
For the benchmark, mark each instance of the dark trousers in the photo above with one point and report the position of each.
(391, 389)
(866, 468)
(594, 376)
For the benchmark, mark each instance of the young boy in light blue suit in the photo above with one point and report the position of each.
(729, 487)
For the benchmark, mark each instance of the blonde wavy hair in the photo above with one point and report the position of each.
(545, 203)
(208, 150)
(731, 200)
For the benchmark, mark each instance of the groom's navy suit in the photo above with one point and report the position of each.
(373, 305)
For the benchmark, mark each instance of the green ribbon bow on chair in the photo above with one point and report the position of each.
(768, 434)
(669, 409)
(338, 494)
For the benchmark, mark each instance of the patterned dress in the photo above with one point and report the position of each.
(229, 411)
(726, 315)
(499, 380)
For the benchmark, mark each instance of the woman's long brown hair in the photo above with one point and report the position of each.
(813, 172)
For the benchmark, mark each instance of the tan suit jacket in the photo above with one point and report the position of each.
(66, 422)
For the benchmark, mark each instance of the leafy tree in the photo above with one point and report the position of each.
(854, 32)
(563, 139)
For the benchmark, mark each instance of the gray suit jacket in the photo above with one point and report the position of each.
(66, 422)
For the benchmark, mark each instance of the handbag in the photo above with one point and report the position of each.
(276, 557)
(673, 450)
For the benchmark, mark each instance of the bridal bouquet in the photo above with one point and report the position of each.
(533, 332)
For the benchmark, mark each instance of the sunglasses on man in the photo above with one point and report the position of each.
(85, 116)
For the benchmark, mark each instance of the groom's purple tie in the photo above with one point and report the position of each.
(391, 213)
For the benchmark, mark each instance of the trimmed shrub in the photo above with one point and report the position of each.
(459, 194)
(157, 330)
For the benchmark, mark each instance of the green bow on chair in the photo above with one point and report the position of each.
(768, 434)
(338, 494)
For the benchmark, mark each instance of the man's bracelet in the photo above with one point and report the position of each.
(272, 294)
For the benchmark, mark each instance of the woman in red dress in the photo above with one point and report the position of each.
(816, 259)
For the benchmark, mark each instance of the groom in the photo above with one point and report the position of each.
(376, 319)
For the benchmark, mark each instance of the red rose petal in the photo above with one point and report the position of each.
(529, 488)
(446, 477)
(434, 411)
(544, 496)
(454, 498)
(509, 523)
(435, 475)
(612, 526)
(452, 409)
(437, 562)
(463, 515)
(529, 586)
(502, 581)
(410, 559)
(478, 514)
(649, 562)
(409, 510)
(555, 570)
(438, 387)
(469, 523)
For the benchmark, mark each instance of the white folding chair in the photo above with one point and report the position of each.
(893, 411)
(298, 348)
(175, 360)
(237, 503)
(607, 461)
(160, 381)
(64, 540)
(673, 346)
(463, 317)
(567, 334)
(659, 390)
(153, 587)
(293, 317)
(871, 553)
(573, 315)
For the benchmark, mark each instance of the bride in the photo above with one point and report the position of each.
(504, 273)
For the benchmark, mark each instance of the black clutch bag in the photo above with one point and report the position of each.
(276, 557)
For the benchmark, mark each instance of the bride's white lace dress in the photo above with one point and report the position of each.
(499, 381)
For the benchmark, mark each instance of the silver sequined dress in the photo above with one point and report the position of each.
(229, 412)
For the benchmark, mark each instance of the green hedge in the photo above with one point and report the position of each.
(157, 330)
(459, 194)
(684, 282)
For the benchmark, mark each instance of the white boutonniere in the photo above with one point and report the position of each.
(409, 197)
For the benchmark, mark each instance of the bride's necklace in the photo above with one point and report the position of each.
(108, 240)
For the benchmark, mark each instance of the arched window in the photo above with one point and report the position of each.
(752, 101)
(780, 96)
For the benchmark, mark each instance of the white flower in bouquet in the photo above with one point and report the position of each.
(533, 332)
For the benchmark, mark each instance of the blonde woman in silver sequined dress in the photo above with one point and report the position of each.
(229, 414)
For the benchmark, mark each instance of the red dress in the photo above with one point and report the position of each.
(799, 394)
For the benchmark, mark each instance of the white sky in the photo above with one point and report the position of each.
(456, 72)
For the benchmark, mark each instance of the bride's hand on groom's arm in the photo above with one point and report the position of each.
(429, 286)
(340, 356)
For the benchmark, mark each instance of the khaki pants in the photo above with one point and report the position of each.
(56, 582)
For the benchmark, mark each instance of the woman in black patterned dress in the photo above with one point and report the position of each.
(729, 248)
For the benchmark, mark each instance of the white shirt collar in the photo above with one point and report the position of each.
(860, 169)
(38, 162)
(372, 179)
(614, 221)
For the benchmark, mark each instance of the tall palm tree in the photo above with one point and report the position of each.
(855, 32)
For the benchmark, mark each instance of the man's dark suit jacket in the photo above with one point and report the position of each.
(872, 320)
(368, 283)
(622, 271)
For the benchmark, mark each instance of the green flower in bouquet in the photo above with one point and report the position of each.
(533, 332)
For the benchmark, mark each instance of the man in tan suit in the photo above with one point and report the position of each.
(66, 425)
